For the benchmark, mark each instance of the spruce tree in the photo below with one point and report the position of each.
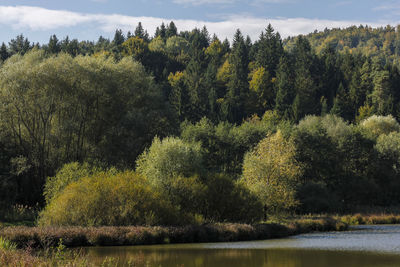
(3, 52)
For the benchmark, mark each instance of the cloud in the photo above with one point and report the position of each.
(203, 2)
(36, 18)
(225, 2)
(45, 20)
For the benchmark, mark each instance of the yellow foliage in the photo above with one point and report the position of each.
(224, 72)
(103, 199)
(214, 49)
(134, 46)
(102, 54)
(270, 171)
(176, 79)
(364, 112)
(259, 78)
(157, 44)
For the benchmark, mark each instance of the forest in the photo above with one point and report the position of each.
(183, 127)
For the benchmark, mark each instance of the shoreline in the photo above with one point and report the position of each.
(48, 237)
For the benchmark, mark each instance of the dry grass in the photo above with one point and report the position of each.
(45, 237)
(361, 219)
(44, 246)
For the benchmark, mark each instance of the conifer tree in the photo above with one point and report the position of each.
(285, 91)
(3, 52)
(270, 50)
(237, 87)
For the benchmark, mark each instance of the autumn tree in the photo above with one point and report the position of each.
(270, 171)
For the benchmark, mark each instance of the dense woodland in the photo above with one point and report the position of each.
(197, 128)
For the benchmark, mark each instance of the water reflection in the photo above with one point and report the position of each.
(368, 246)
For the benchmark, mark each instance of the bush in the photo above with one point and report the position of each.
(316, 198)
(69, 173)
(169, 158)
(188, 194)
(230, 201)
(377, 125)
(124, 198)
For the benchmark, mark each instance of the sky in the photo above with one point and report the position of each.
(88, 19)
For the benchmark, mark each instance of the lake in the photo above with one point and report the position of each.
(361, 246)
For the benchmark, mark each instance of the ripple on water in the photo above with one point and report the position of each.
(362, 246)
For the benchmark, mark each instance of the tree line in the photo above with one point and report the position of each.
(302, 107)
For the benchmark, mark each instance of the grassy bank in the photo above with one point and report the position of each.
(38, 246)
(10, 256)
(45, 237)
(369, 219)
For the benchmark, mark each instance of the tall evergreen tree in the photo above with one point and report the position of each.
(19, 45)
(306, 87)
(341, 105)
(117, 42)
(141, 33)
(237, 90)
(161, 32)
(285, 91)
(54, 45)
(3, 52)
(270, 50)
(171, 30)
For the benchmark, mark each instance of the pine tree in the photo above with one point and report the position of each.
(19, 45)
(341, 105)
(54, 45)
(270, 50)
(284, 87)
(141, 33)
(117, 42)
(237, 88)
(161, 32)
(3, 52)
(306, 88)
(171, 30)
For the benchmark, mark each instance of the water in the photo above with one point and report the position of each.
(362, 246)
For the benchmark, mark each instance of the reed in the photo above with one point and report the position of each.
(45, 237)
(369, 219)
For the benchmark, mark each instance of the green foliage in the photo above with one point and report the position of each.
(157, 45)
(377, 125)
(317, 198)
(379, 42)
(230, 201)
(169, 158)
(6, 244)
(69, 173)
(224, 145)
(60, 109)
(80, 101)
(176, 46)
(271, 172)
(388, 145)
(124, 198)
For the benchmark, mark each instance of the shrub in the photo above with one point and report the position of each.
(316, 198)
(124, 198)
(69, 173)
(377, 125)
(169, 158)
(188, 194)
(230, 201)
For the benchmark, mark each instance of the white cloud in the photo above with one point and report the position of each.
(203, 2)
(225, 2)
(36, 18)
(41, 19)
